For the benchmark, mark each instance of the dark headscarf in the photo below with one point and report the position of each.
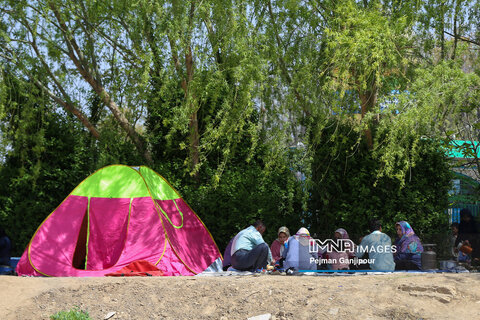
(466, 227)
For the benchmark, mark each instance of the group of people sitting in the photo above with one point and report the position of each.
(247, 251)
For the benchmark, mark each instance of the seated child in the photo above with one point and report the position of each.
(278, 246)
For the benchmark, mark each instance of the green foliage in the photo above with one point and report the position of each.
(250, 188)
(468, 193)
(34, 185)
(347, 191)
(441, 104)
(364, 47)
(46, 156)
(237, 84)
(73, 314)
(246, 193)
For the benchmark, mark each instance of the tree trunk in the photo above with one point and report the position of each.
(94, 80)
(455, 30)
(442, 34)
(368, 100)
(193, 124)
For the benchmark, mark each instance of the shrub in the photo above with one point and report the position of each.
(73, 314)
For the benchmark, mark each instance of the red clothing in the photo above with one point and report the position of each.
(276, 250)
(341, 259)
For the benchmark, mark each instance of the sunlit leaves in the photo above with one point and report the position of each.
(364, 47)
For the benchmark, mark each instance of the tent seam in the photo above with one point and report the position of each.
(218, 250)
(88, 233)
(161, 219)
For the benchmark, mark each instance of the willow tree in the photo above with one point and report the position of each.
(440, 98)
(210, 55)
(367, 51)
(70, 48)
(124, 50)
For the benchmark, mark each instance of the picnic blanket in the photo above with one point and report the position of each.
(233, 272)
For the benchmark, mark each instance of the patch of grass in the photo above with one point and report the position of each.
(73, 314)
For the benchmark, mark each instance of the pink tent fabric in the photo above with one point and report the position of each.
(186, 239)
(93, 236)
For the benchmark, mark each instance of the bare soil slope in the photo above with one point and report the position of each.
(391, 296)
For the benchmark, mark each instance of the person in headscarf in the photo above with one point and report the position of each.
(278, 246)
(467, 223)
(340, 259)
(297, 254)
(409, 248)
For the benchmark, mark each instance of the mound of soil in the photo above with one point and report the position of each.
(390, 296)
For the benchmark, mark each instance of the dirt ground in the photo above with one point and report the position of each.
(388, 296)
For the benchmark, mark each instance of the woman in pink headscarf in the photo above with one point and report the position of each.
(278, 245)
(340, 259)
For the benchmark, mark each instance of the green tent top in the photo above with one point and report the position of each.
(120, 181)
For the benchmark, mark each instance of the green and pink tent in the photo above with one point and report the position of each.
(116, 216)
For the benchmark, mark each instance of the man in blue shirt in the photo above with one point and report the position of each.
(378, 245)
(249, 250)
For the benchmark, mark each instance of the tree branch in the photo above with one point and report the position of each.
(70, 107)
(463, 38)
(283, 66)
(86, 73)
(68, 104)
